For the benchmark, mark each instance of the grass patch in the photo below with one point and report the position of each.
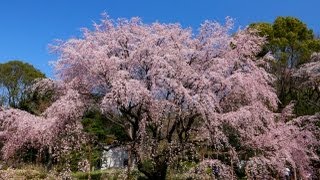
(108, 174)
(26, 172)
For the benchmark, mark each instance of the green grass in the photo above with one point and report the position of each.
(108, 174)
(26, 172)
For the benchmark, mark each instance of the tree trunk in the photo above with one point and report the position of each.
(161, 174)
(129, 163)
(90, 155)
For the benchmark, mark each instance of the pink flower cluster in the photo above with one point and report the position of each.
(169, 89)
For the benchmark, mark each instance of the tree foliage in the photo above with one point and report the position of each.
(291, 43)
(15, 78)
(173, 93)
(39, 96)
(306, 91)
(101, 129)
(167, 85)
(289, 39)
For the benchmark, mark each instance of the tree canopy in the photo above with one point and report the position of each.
(15, 77)
(171, 94)
(291, 44)
(289, 39)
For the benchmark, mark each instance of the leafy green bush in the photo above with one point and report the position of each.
(101, 129)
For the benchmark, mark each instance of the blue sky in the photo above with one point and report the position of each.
(28, 26)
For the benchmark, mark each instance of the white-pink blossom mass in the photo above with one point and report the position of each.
(172, 91)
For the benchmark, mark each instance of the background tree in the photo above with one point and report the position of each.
(291, 43)
(289, 39)
(15, 78)
(306, 81)
(39, 96)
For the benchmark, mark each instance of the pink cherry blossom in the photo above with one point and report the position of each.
(172, 90)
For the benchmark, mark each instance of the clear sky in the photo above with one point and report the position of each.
(28, 26)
